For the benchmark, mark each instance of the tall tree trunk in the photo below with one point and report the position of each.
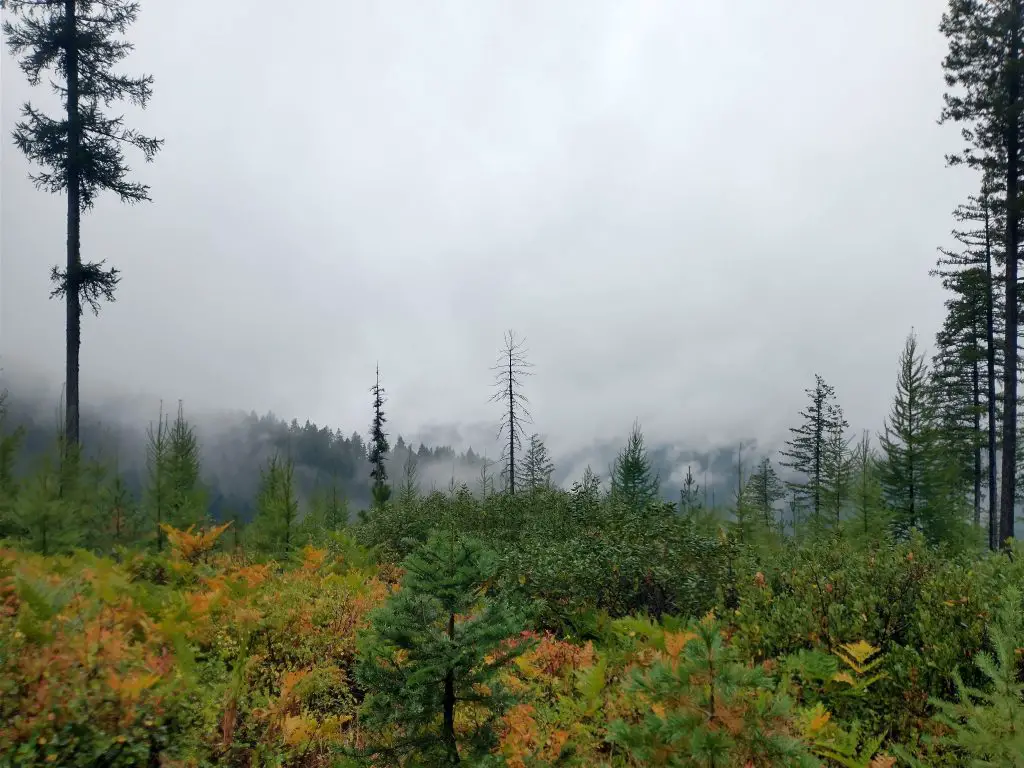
(72, 294)
(990, 374)
(1013, 91)
(976, 407)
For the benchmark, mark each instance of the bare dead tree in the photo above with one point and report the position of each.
(509, 373)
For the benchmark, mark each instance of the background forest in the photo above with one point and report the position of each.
(265, 593)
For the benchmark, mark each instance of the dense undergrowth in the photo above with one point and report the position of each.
(573, 631)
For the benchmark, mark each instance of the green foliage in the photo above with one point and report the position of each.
(159, 491)
(275, 530)
(807, 452)
(913, 472)
(634, 483)
(187, 497)
(380, 490)
(437, 644)
(985, 725)
(763, 491)
(536, 466)
(708, 708)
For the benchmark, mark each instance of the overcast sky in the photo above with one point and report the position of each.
(686, 207)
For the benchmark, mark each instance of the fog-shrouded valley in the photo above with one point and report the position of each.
(402, 385)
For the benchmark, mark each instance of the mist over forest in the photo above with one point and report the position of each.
(235, 447)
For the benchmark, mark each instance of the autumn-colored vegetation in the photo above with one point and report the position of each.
(831, 654)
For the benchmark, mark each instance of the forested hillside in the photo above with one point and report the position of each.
(234, 447)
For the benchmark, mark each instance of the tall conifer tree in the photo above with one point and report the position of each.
(80, 152)
(984, 72)
(807, 451)
(379, 448)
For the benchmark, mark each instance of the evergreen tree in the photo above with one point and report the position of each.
(44, 514)
(10, 444)
(838, 466)
(159, 487)
(327, 514)
(983, 69)
(868, 505)
(911, 470)
(634, 481)
(274, 529)
(123, 527)
(536, 466)
(81, 152)
(438, 642)
(379, 447)
(968, 357)
(807, 451)
(510, 371)
(409, 490)
(187, 497)
(690, 494)
(763, 491)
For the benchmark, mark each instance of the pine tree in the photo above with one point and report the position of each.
(763, 491)
(81, 153)
(274, 530)
(379, 448)
(807, 451)
(984, 72)
(509, 372)
(187, 497)
(438, 642)
(159, 487)
(536, 468)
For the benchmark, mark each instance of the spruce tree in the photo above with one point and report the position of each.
(187, 497)
(912, 465)
(380, 490)
(536, 467)
(838, 466)
(274, 530)
(409, 490)
(807, 451)
(763, 491)
(440, 641)
(634, 482)
(158, 495)
(44, 513)
(984, 72)
(81, 152)
(690, 494)
(509, 374)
